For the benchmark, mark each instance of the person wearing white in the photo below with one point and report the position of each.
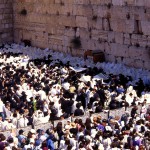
(42, 94)
(30, 145)
(22, 121)
(2, 109)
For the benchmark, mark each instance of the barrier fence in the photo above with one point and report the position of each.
(104, 115)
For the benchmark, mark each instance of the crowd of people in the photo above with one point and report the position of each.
(35, 91)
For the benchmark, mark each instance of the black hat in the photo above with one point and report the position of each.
(21, 131)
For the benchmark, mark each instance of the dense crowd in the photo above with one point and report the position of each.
(39, 90)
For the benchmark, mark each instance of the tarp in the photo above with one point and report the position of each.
(85, 78)
(100, 76)
(80, 69)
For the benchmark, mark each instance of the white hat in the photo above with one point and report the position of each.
(87, 137)
(32, 131)
(67, 127)
(137, 118)
(108, 128)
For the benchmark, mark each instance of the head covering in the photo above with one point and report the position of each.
(32, 131)
(108, 128)
(67, 127)
(21, 131)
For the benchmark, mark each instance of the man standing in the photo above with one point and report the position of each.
(2, 110)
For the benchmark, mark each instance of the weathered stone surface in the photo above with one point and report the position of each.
(119, 28)
(6, 22)
(81, 21)
(119, 50)
(119, 38)
(145, 27)
(118, 2)
(146, 65)
(135, 52)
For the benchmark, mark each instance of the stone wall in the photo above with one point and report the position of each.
(120, 28)
(6, 21)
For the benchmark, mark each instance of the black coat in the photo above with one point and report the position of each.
(82, 98)
(102, 96)
(78, 112)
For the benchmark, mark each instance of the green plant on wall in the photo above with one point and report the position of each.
(76, 42)
(23, 12)
(94, 18)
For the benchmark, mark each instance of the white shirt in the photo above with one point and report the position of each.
(129, 99)
(106, 142)
(53, 92)
(1, 106)
(42, 95)
(62, 146)
(22, 122)
(66, 85)
(45, 107)
(28, 146)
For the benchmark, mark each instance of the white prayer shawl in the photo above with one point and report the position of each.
(129, 99)
(22, 122)
(40, 120)
(42, 95)
(85, 78)
(74, 106)
(66, 85)
(1, 106)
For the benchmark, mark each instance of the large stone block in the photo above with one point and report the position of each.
(118, 2)
(119, 38)
(145, 27)
(129, 26)
(87, 10)
(139, 2)
(96, 23)
(138, 63)
(107, 47)
(143, 40)
(69, 32)
(81, 21)
(102, 11)
(67, 9)
(69, 21)
(134, 39)
(110, 58)
(6, 21)
(68, 1)
(111, 37)
(84, 33)
(135, 52)
(129, 2)
(145, 54)
(118, 25)
(148, 41)
(119, 50)
(66, 41)
(85, 2)
(127, 39)
(100, 35)
(146, 65)
(77, 10)
(147, 3)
